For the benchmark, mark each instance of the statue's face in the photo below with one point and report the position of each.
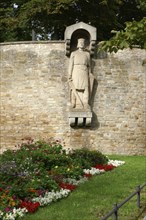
(81, 43)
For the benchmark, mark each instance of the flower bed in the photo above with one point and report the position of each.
(39, 173)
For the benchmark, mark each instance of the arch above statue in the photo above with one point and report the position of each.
(83, 26)
(80, 30)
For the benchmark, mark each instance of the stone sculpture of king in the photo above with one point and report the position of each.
(80, 77)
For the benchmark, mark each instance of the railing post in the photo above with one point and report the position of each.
(115, 212)
(138, 196)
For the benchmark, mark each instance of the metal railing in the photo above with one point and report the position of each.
(116, 207)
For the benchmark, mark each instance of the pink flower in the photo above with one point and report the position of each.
(7, 209)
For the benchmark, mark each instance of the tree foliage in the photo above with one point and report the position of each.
(134, 34)
(19, 17)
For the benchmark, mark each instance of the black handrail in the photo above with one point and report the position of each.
(116, 207)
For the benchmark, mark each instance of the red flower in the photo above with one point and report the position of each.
(106, 167)
(99, 166)
(30, 206)
(67, 186)
(109, 167)
(1, 189)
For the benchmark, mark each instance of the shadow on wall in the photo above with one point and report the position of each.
(95, 122)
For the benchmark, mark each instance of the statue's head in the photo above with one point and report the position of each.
(81, 43)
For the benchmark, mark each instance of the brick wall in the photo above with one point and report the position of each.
(35, 98)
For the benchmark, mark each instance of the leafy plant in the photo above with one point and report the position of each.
(133, 34)
(88, 158)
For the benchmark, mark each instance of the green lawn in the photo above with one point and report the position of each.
(93, 199)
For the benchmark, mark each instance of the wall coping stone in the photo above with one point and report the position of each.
(33, 42)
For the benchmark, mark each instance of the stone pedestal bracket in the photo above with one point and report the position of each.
(78, 118)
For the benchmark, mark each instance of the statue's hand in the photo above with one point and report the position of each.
(69, 79)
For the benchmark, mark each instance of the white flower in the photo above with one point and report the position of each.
(93, 171)
(14, 214)
(74, 181)
(1, 214)
(68, 150)
(116, 163)
(51, 197)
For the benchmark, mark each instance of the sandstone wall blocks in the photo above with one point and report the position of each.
(35, 99)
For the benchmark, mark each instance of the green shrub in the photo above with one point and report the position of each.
(50, 160)
(88, 158)
(74, 172)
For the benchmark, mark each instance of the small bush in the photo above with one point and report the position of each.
(89, 158)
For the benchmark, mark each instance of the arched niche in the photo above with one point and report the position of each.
(79, 33)
(80, 30)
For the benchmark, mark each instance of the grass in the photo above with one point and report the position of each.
(95, 198)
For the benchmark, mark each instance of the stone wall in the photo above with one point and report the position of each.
(35, 98)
